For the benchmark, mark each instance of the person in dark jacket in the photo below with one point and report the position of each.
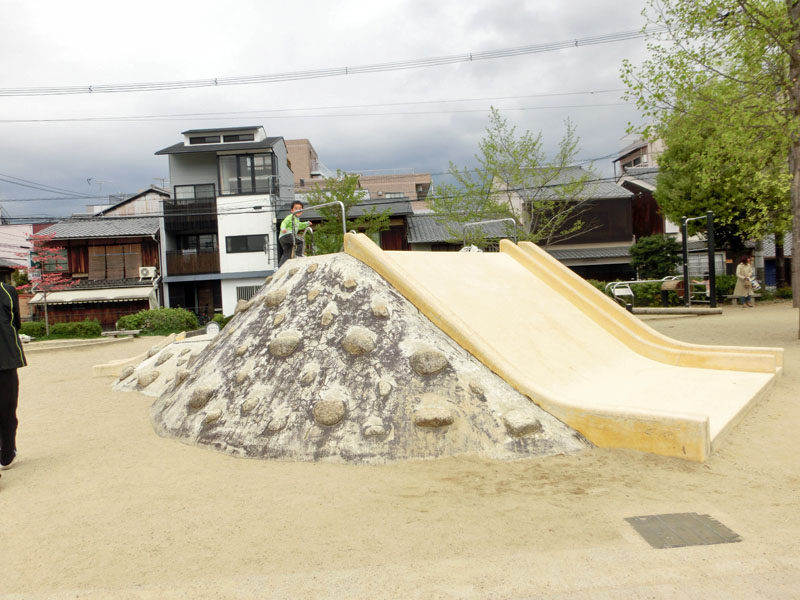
(11, 358)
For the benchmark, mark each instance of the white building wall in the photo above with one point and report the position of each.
(236, 216)
(229, 295)
(14, 242)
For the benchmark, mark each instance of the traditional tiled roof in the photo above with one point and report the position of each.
(397, 207)
(101, 284)
(646, 175)
(591, 252)
(105, 227)
(594, 188)
(424, 229)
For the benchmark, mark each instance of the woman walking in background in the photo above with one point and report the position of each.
(744, 285)
(11, 358)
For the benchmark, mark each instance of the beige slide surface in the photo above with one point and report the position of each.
(536, 338)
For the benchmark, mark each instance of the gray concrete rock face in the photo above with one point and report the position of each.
(284, 343)
(428, 361)
(359, 340)
(318, 370)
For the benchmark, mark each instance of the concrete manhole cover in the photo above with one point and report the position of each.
(682, 529)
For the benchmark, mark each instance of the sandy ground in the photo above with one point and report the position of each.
(98, 506)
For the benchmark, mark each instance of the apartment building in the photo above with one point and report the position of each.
(219, 239)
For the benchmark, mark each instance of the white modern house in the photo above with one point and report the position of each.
(219, 239)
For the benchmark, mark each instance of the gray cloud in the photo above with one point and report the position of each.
(85, 43)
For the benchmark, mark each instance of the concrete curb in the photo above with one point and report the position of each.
(34, 348)
(114, 368)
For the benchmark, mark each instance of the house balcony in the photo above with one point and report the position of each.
(190, 214)
(192, 262)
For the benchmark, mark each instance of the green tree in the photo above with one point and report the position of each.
(733, 169)
(752, 45)
(655, 256)
(515, 179)
(345, 188)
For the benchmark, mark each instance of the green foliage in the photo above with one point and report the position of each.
(35, 329)
(730, 168)
(655, 256)
(783, 293)
(76, 329)
(725, 285)
(649, 294)
(345, 188)
(728, 68)
(221, 320)
(160, 321)
(600, 285)
(20, 278)
(514, 178)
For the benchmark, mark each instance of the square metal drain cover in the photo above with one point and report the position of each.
(682, 529)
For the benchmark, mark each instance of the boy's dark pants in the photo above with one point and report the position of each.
(9, 392)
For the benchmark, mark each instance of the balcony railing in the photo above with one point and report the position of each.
(190, 262)
(190, 214)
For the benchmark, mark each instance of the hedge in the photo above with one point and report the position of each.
(649, 294)
(76, 329)
(160, 321)
(33, 329)
(221, 320)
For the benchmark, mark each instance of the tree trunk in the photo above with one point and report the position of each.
(780, 262)
(46, 320)
(793, 9)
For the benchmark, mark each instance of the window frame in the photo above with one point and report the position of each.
(251, 160)
(204, 139)
(264, 237)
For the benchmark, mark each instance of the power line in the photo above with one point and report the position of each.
(329, 72)
(263, 112)
(36, 186)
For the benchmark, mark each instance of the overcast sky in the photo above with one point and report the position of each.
(86, 42)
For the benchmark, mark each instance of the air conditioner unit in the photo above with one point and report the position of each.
(147, 273)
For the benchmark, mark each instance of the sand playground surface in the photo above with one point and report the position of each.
(99, 506)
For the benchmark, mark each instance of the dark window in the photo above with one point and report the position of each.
(204, 242)
(194, 192)
(205, 139)
(245, 243)
(239, 137)
(246, 174)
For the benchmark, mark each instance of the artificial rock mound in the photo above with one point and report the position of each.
(329, 362)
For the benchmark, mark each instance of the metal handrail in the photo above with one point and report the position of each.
(516, 237)
(611, 286)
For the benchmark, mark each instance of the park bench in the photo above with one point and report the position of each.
(121, 332)
(735, 299)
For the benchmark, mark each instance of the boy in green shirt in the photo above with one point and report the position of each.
(292, 225)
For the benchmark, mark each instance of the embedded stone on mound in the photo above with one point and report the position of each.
(331, 363)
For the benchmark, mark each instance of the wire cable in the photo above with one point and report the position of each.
(607, 38)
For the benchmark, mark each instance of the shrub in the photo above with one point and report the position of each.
(160, 321)
(76, 329)
(221, 320)
(784, 293)
(34, 329)
(600, 285)
(725, 285)
(655, 256)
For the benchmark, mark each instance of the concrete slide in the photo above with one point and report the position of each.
(574, 352)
